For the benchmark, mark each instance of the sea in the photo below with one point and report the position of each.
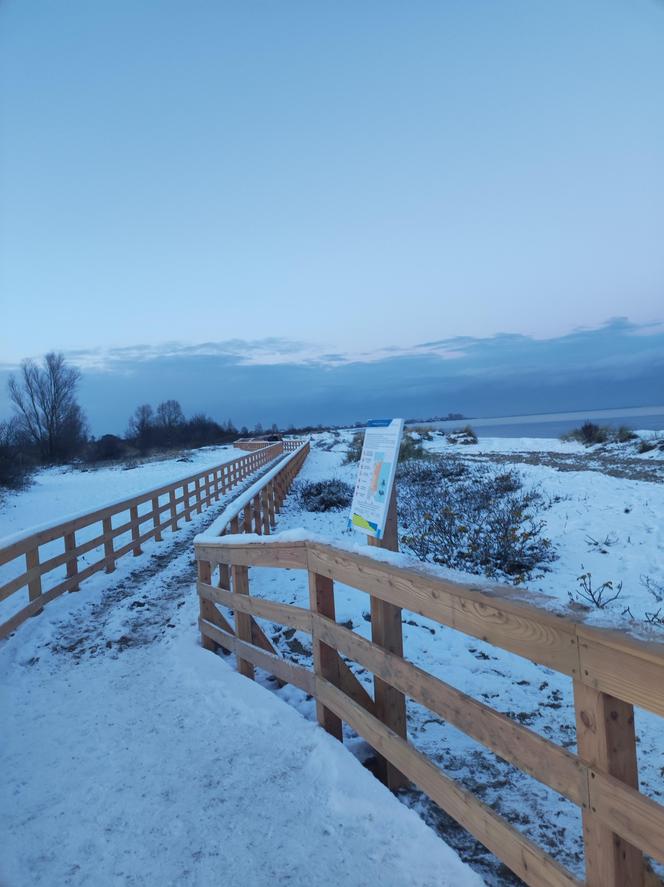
(557, 424)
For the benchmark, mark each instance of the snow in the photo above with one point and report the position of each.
(58, 494)
(130, 755)
(584, 504)
(507, 445)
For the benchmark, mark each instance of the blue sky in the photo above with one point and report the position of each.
(348, 177)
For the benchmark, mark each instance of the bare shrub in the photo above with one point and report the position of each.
(325, 495)
(464, 435)
(15, 467)
(599, 596)
(480, 521)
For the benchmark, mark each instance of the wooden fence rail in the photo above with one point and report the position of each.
(610, 673)
(251, 444)
(159, 509)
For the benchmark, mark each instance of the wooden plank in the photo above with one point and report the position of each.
(650, 879)
(283, 614)
(326, 660)
(386, 632)
(208, 610)
(521, 855)
(32, 567)
(174, 514)
(628, 813)
(292, 555)
(35, 607)
(246, 518)
(352, 687)
(288, 672)
(135, 530)
(72, 561)
(606, 741)
(512, 625)
(256, 510)
(240, 579)
(156, 518)
(629, 671)
(49, 534)
(108, 545)
(265, 512)
(186, 494)
(541, 759)
(14, 585)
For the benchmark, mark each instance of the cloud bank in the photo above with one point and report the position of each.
(619, 364)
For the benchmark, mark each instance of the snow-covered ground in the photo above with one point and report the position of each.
(602, 515)
(59, 492)
(131, 756)
(581, 504)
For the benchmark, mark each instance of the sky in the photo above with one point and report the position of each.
(326, 185)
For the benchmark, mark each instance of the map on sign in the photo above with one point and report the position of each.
(375, 476)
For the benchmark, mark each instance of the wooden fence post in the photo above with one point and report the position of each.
(270, 504)
(185, 494)
(242, 620)
(135, 529)
(606, 739)
(34, 584)
(246, 518)
(174, 510)
(207, 608)
(109, 555)
(156, 518)
(265, 512)
(386, 631)
(256, 508)
(326, 660)
(72, 563)
(197, 488)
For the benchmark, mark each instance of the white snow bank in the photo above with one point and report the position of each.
(164, 766)
(507, 445)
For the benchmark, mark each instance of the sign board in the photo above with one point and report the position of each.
(375, 476)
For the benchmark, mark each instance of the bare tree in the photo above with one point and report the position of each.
(141, 426)
(169, 414)
(47, 410)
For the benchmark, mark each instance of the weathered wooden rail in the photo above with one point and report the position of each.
(161, 508)
(610, 672)
(251, 444)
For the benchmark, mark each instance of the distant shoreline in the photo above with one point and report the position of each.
(555, 424)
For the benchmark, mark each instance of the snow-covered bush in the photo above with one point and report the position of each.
(412, 447)
(464, 435)
(480, 521)
(324, 495)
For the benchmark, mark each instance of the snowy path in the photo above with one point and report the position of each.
(131, 756)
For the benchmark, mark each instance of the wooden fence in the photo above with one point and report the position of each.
(610, 673)
(251, 444)
(181, 498)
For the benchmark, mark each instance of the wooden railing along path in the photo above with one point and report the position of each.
(251, 444)
(176, 501)
(610, 673)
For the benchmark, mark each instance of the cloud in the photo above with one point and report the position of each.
(618, 364)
